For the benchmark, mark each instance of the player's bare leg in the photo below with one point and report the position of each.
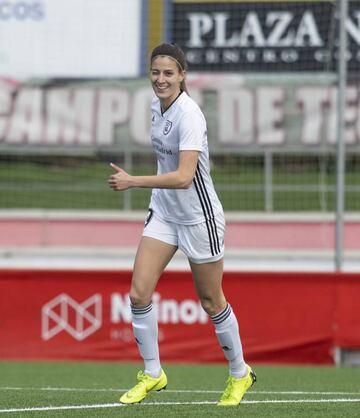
(208, 279)
(151, 259)
(208, 284)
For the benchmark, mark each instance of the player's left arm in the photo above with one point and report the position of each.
(178, 179)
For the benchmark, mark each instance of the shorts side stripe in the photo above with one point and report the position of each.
(209, 208)
(207, 221)
(217, 243)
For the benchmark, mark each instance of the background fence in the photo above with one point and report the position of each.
(268, 181)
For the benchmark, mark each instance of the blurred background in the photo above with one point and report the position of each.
(278, 84)
(74, 95)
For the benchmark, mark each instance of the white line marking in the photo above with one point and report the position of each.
(106, 390)
(59, 408)
(118, 405)
(300, 392)
(265, 392)
(341, 400)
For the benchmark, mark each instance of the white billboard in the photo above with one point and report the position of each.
(242, 112)
(70, 38)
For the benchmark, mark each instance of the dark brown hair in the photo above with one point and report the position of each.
(176, 53)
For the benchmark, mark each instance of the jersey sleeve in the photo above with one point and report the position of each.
(192, 131)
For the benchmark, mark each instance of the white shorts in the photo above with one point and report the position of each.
(201, 243)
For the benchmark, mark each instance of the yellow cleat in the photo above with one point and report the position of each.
(146, 384)
(236, 388)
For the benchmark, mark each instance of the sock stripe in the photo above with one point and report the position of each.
(142, 311)
(222, 316)
(221, 313)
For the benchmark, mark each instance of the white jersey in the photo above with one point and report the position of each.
(182, 127)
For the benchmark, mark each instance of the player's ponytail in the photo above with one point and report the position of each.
(174, 52)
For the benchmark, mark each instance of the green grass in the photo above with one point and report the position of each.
(71, 183)
(31, 384)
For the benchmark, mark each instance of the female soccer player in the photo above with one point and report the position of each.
(184, 213)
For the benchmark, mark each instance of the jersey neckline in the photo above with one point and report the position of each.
(163, 112)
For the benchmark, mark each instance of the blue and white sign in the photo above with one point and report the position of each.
(70, 38)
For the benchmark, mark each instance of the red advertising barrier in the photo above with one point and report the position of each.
(283, 317)
(348, 312)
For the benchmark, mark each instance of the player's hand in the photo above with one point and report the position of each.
(121, 180)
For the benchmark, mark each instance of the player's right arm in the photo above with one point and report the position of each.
(178, 179)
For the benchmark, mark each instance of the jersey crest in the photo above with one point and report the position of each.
(167, 127)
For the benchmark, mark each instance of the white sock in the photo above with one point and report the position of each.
(145, 328)
(227, 332)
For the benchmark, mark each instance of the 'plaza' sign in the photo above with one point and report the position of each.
(285, 36)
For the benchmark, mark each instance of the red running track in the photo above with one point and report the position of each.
(242, 234)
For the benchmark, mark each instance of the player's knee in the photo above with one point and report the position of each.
(138, 299)
(212, 306)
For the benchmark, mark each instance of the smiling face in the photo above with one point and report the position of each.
(166, 78)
